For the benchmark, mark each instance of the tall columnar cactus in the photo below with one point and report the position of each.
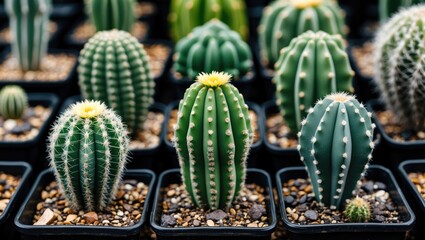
(188, 14)
(88, 151)
(284, 20)
(312, 66)
(213, 47)
(114, 69)
(112, 14)
(213, 137)
(29, 21)
(357, 210)
(388, 7)
(400, 75)
(335, 146)
(13, 102)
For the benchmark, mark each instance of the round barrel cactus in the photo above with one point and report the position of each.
(13, 102)
(88, 151)
(357, 210)
(284, 20)
(388, 7)
(212, 138)
(112, 14)
(213, 47)
(114, 68)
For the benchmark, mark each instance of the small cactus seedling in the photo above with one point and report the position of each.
(112, 14)
(312, 66)
(388, 7)
(88, 151)
(357, 210)
(335, 146)
(212, 138)
(13, 102)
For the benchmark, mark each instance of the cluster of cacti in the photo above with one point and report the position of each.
(88, 151)
(284, 20)
(388, 7)
(400, 74)
(28, 20)
(357, 210)
(112, 14)
(213, 47)
(212, 138)
(335, 144)
(188, 14)
(312, 66)
(13, 102)
(114, 68)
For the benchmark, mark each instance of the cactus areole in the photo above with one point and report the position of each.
(212, 138)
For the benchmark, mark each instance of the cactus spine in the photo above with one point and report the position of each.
(13, 102)
(400, 50)
(88, 151)
(29, 21)
(312, 66)
(213, 137)
(388, 7)
(112, 14)
(188, 14)
(114, 69)
(357, 210)
(284, 20)
(213, 46)
(335, 146)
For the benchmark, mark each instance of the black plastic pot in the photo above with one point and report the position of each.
(67, 10)
(349, 231)
(191, 233)
(23, 220)
(264, 84)
(23, 170)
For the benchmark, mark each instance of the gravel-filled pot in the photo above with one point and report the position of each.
(377, 179)
(159, 215)
(24, 221)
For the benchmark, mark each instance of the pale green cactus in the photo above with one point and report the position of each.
(13, 102)
(112, 14)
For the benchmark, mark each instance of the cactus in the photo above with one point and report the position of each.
(213, 46)
(284, 20)
(13, 102)
(188, 14)
(312, 66)
(29, 21)
(212, 137)
(357, 210)
(388, 7)
(400, 75)
(335, 146)
(112, 14)
(114, 69)
(88, 151)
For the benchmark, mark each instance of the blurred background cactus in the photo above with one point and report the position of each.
(388, 7)
(13, 102)
(112, 14)
(357, 210)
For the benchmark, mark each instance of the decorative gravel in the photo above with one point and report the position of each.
(8, 185)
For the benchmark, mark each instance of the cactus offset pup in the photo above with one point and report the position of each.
(357, 210)
(13, 102)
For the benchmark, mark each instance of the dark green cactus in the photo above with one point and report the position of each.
(13, 102)
(284, 20)
(212, 138)
(112, 14)
(357, 210)
(213, 47)
(29, 21)
(114, 69)
(335, 144)
(88, 151)
(312, 66)
(388, 7)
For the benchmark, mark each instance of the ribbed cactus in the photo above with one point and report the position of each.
(13, 102)
(400, 75)
(312, 66)
(388, 7)
(188, 14)
(112, 14)
(213, 137)
(114, 69)
(213, 47)
(357, 210)
(29, 21)
(335, 146)
(284, 20)
(88, 150)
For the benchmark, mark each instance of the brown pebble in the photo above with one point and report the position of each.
(47, 218)
(90, 217)
(70, 218)
(210, 223)
(253, 224)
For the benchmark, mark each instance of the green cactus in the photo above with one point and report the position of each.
(284, 20)
(114, 69)
(335, 146)
(357, 210)
(213, 46)
(13, 102)
(400, 75)
(212, 138)
(29, 21)
(188, 14)
(312, 66)
(112, 14)
(388, 7)
(88, 151)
